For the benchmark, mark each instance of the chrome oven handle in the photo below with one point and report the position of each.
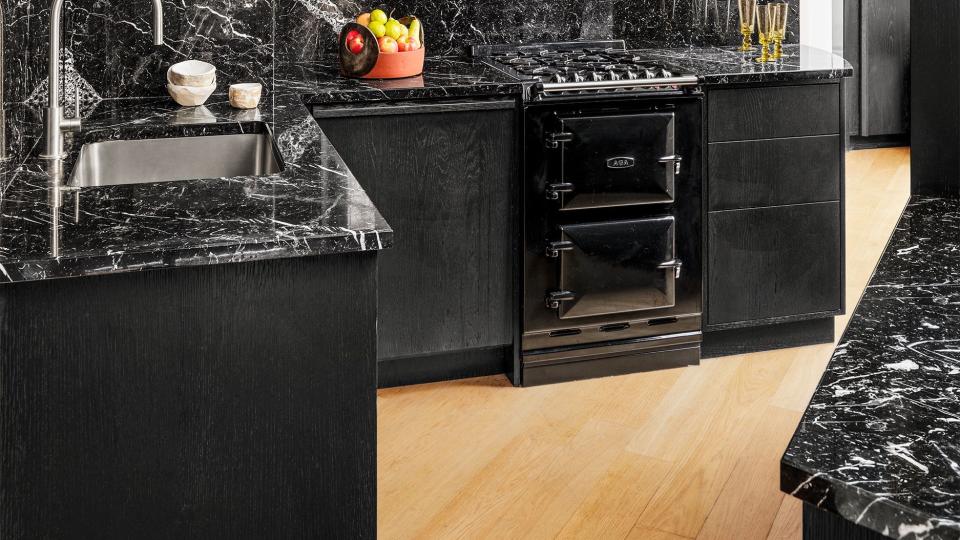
(555, 298)
(675, 159)
(554, 190)
(675, 264)
(690, 80)
(554, 248)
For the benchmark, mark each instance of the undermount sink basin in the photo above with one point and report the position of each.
(140, 161)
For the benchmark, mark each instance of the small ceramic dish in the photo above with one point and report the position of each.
(192, 73)
(190, 96)
(245, 95)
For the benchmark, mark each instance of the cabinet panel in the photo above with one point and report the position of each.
(885, 56)
(445, 181)
(773, 111)
(851, 52)
(772, 172)
(766, 263)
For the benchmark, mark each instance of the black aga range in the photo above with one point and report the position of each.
(612, 211)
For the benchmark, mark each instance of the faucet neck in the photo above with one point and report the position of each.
(53, 69)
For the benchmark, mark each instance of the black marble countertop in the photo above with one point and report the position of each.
(727, 65)
(315, 206)
(448, 77)
(880, 442)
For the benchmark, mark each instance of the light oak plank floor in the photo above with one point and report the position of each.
(679, 454)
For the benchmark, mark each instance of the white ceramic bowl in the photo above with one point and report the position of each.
(192, 73)
(190, 96)
(245, 95)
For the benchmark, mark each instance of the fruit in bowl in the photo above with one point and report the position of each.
(377, 45)
(403, 35)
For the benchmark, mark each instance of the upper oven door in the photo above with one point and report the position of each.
(616, 160)
(614, 267)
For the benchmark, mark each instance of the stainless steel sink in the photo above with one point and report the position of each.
(183, 158)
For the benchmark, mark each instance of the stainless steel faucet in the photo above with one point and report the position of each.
(56, 123)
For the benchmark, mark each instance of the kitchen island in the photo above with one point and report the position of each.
(876, 454)
(189, 359)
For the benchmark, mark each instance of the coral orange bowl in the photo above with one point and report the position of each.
(398, 65)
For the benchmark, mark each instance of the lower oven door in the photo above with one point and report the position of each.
(614, 267)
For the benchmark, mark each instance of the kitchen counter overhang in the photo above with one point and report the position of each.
(879, 444)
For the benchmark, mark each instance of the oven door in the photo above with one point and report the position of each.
(610, 161)
(614, 267)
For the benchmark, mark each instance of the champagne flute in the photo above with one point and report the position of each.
(780, 31)
(748, 17)
(765, 19)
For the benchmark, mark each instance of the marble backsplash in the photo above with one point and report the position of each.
(304, 27)
(108, 41)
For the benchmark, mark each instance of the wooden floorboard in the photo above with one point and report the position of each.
(669, 455)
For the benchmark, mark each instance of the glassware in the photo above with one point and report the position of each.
(780, 30)
(765, 22)
(748, 17)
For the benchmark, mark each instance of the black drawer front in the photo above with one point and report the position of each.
(773, 111)
(772, 172)
(774, 262)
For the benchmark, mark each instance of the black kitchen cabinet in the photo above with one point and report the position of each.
(445, 176)
(773, 262)
(935, 99)
(774, 225)
(231, 401)
(877, 44)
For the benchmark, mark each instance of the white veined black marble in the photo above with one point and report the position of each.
(727, 65)
(109, 52)
(315, 206)
(452, 25)
(880, 441)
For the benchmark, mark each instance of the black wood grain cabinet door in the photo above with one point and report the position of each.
(444, 176)
(776, 262)
(885, 57)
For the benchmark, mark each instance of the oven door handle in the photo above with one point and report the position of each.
(554, 248)
(554, 140)
(555, 298)
(675, 159)
(554, 190)
(675, 265)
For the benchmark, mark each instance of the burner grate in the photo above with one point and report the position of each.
(590, 70)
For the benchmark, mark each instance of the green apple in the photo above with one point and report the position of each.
(378, 29)
(378, 15)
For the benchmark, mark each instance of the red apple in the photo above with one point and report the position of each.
(353, 34)
(355, 45)
(388, 45)
(404, 45)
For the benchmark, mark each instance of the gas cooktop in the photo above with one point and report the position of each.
(584, 68)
